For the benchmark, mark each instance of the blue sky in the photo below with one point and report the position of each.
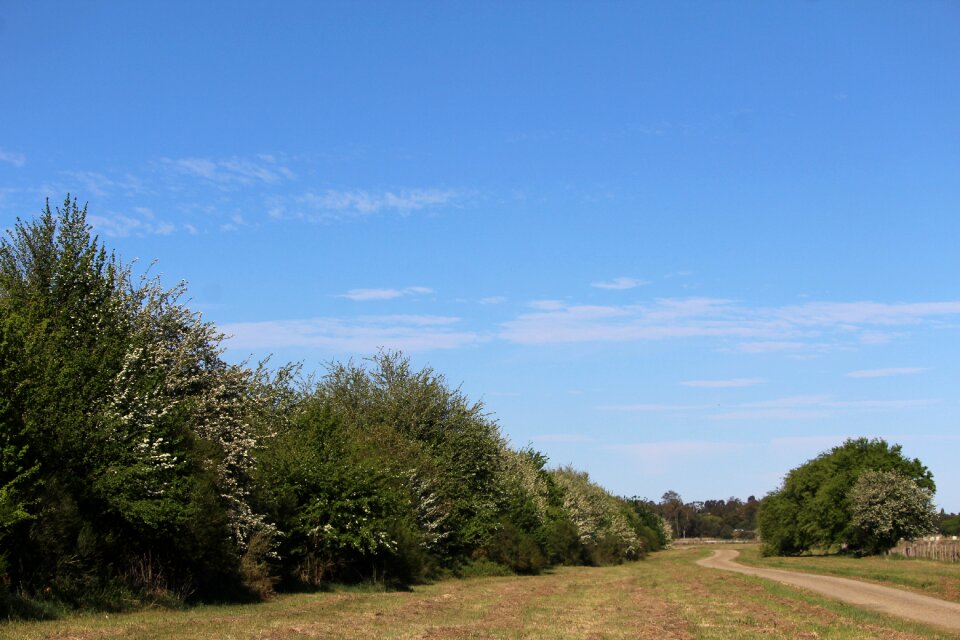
(682, 246)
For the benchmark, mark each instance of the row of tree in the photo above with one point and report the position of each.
(136, 463)
(725, 519)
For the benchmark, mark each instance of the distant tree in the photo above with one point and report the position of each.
(886, 507)
(949, 523)
(673, 509)
(813, 510)
(656, 529)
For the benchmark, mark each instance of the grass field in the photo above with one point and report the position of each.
(665, 596)
(939, 579)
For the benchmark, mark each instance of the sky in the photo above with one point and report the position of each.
(680, 245)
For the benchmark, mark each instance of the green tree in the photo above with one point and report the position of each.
(124, 435)
(949, 524)
(334, 510)
(438, 445)
(887, 507)
(607, 526)
(812, 509)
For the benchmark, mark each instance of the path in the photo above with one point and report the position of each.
(895, 602)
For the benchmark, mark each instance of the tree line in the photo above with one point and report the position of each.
(716, 518)
(137, 465)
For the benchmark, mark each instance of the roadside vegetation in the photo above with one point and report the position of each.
(665, 597)
(860, 497)
(137, 466)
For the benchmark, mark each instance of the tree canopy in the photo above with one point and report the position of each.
(815, 506)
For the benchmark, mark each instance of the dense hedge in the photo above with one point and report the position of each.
(136, 465)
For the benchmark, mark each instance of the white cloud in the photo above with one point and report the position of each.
(547, 305)
(140, 222)
(12, 157)
(724, 384)
(619, 283)
(812, 327)
(236, 221)
(786, 408)
(362, 295)
(493, 300)
(651, 407)
(883, 373)
(353, 335)
(773, 346)
(555, 322)
(332, 204)
(813, 406)
(865, 313)
(263, 169)
(101, 185)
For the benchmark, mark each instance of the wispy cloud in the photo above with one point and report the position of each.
(493, 300)
(884, 373)
(811, 327)
(854, 314)
(619, 283)
(724, 384)
(334, 205)
(813, 406)
(775, 346)
(786, 408)
(363, 295)
(365, 334)
(12, 157)
(651, 407)
(555, 322)
(227, 172)
(141, 221)
(102, 185)
(236, 222)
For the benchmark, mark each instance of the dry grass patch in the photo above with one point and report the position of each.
(664, 597)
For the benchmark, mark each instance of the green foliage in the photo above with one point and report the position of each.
(331, 507)
(813, 510)
(136, 465)
(950, 526)
(605, 524)
(887, 507)
(124, 436)
(653, 528)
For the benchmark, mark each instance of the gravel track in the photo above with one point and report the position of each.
(895, 602)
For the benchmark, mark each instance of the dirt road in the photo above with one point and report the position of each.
(887, 600)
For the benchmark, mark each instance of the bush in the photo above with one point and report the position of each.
(813, 508)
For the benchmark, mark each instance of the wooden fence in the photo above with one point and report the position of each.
(931, 549)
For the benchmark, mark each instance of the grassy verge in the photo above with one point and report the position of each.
(938, 579)
(664, 597)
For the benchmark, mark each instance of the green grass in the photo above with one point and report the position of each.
(939, 579)
(666, 596)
